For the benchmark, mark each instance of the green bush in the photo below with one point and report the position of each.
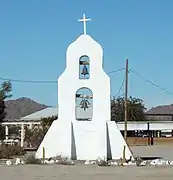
(9, 151)
(32, 160)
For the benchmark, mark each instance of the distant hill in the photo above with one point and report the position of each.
(165, 109)
(24, 106)
(21, 107)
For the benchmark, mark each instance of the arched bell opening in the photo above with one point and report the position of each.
(84, 104)
(84, 67)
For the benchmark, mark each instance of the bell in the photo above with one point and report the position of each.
(84, 104)
(85, 71)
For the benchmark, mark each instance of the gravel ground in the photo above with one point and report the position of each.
(84, 172)
(165, 152)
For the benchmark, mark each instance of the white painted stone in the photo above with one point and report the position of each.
(18, 161)
(125, 164)
(87, 162)
(143, 163)
(159, 162)
(57, 161)
(130, 163)
(93, 162)
(22, 162)
(171, 163)
(113, 163)
(51, 161)
(84, 140)
(99, 159)
(46, 162)
(8, 163)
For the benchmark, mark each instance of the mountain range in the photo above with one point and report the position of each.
(21, 107)
(24, 106)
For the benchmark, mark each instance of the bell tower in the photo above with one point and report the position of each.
(84, 87)
(84, 107)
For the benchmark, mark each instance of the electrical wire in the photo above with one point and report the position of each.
(43, 81)
(27, 81)
(152, 83)
(112, 72)
(120, 88)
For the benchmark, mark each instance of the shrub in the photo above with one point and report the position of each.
(34, 136)
(31, 159)
(102, 163)
(64, 160)
(9, 151)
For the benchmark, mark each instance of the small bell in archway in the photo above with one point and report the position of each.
(84, 104)
(85, 70)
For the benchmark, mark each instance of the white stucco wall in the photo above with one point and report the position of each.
(90, 140)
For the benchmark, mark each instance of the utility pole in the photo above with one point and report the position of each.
(125, 101)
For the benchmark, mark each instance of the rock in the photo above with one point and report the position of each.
(171, 163)
(159, 162)
(71, 163)
(87, 162)
(143, 163)
(113, 163)
(22, 162)
(92, 162)
(51, 161)
(46, 162)
(8, 163)
(18, 161)
(57, 161)
(99, 159)
(130, 163)
(138, 161)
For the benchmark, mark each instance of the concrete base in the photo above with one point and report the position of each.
(83, 140)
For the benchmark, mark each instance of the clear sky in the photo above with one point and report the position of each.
(34, 36)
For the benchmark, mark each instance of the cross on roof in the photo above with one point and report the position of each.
(84, 20)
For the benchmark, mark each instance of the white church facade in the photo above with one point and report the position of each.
(84, 133)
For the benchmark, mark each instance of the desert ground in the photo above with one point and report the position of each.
(82, 172)
(93, 172)
(161, 151)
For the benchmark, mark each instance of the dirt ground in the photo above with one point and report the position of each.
(84, 172)
(161, 151)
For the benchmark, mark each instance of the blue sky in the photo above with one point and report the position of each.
(34, 36)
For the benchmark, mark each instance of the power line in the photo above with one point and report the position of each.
(121, 86)
(27, 81)
(43, 81)
(112, 72)
(152, 83)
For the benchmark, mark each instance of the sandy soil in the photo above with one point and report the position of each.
(89, 172)
(83, 172)
(164, 152)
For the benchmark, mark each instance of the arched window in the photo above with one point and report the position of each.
(84, 67)
(84, 104)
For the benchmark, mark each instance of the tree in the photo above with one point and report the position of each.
(135, 108)
(34, 136)
(5, 90)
